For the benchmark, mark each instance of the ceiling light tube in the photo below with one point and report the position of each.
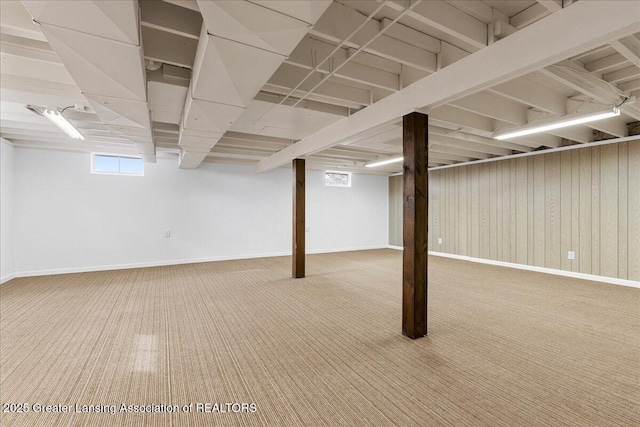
(384, 162)
(572, 121)
(63, 124)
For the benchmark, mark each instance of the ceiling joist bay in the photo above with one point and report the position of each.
(601, 23)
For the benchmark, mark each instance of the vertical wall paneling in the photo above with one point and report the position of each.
(623, 209)
(463, 212)
(522, 210)
(440, 210)
(552, 192)
(506, 211)
(484, 179)
(456, 211)
(595, 210)
(493, 211)
(443, 211)
(442, 207)
(539, 202)
(450, 205)
(609, 210)
(475, 210)
(512, 168)
(534, 210)
(633, 218)
(530, 211)
(446, 205)
(575, 209)
(565, 210)
(470, 229)
(496, 220)
(585, 211)
(437, 206)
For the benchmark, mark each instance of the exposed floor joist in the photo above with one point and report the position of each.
(311, 51)
(533, 94)
(573, 75)
(428, 40)
(551, 5)
(601, 23)
(466, 30)
(339, 21)
(629, 47)
(498, 145)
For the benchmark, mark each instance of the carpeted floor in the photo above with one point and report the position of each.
(505, 347)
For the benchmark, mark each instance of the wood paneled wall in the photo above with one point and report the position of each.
(534, 210)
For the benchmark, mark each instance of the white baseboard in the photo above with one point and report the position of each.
(7, 278)
(108, 267)
(593, 277)
(573, 274)
(584, 276)
(173, 262)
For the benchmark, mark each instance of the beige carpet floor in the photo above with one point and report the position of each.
(505, 347)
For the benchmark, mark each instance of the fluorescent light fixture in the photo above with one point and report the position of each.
(572, 121)
(63, 124)
(384, 162)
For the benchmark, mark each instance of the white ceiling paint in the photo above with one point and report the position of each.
(546, 42)
(260, 50)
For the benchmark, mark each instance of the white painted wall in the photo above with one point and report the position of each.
(70, 220)
(7, 245)
(345, 218)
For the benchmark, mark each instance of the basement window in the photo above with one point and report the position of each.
(107, 164)
(337, 179)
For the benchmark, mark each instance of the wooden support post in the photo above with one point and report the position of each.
(415, 205)
(298, 218)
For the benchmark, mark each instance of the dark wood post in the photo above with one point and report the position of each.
(298, 218)
(415, 205)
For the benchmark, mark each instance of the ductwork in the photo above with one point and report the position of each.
(100, 45)
(242, 43)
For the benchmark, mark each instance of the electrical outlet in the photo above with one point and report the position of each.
(439, 240)
(167, 233)
(306, 228)
(572, 255)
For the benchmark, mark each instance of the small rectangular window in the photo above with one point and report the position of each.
(337, 179)
(107, 164)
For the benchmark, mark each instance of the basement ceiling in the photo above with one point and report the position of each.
(238, 81)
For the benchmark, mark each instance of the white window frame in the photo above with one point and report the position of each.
(338, 172)
(119, 156)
